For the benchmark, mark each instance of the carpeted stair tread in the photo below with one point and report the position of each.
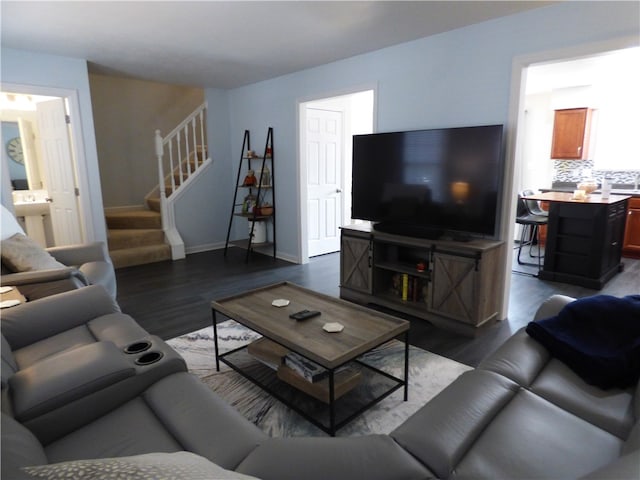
(154, 203)
(130, 219)
(140, 255)
(135, 237)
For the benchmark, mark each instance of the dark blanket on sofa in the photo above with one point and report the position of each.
(597, 337)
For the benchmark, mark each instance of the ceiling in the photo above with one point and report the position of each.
(226, 44)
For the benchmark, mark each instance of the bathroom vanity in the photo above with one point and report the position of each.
(33, 207)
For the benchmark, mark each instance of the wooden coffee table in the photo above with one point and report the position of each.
(12, 297)
(364, 330)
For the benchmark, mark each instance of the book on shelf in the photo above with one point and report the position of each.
(310, 371)
(345, 380)
(405, 286)
(268, 352)
(409, 288)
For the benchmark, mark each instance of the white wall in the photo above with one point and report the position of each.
(70, 74)
(537, 166)
(453, 79)
(607, 83)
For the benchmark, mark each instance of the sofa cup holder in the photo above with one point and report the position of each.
(138, 347)
(149, 358)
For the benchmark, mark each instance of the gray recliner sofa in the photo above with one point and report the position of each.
(520, 414)
(83, 264)
(71, 266)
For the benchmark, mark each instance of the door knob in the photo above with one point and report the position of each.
(338, 190)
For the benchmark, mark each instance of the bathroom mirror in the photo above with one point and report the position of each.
(13, 154)
(20, 150)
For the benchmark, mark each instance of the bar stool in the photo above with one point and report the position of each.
(532, 205)
(531, 223)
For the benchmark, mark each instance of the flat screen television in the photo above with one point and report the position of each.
(427, 183)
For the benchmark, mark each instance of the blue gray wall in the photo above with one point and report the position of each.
(69, 74)
(462, 77)
(456, 78)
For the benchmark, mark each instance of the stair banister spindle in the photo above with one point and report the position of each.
(203, 144)
(179, 152)
(159, 154)
(179, 167)
(187, 158)
(171, 166)
(194, 143)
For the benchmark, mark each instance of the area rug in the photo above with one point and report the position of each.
(428, 375)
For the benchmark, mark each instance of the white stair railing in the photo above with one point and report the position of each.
(181, 155)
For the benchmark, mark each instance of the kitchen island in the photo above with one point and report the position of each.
(584, 238)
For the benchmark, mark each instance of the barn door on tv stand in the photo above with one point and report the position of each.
(453, 288)
(355, 263)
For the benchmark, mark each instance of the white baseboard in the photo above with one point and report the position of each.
(204, 247)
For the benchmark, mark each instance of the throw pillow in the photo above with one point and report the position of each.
(22, 254)
(166, 466)
(9, 224)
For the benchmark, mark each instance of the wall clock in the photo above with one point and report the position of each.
(14, 149)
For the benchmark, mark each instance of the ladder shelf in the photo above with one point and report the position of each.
(258, 205)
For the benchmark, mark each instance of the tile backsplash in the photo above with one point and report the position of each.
(568, 171)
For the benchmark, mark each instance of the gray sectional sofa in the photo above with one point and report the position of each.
(40, 272)
(81, 265)
(71, 393)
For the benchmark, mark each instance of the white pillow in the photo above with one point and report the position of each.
(167, 466)
(22, 254)
(10, 225)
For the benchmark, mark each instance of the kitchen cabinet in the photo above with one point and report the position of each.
(631, 245)
(584, 238)
(571, 128)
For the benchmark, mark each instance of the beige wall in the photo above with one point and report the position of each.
(126, 113)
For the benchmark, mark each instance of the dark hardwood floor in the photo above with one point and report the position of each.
(172, 298)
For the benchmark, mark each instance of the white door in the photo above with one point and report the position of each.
(30, 155)
(58, 172)
(324, 182)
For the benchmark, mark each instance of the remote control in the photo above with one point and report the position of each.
(304, 314)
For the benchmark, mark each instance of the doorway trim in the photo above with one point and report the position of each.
(77, 145)
(301, 164)
(515, 129)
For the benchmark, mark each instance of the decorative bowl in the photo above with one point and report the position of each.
(266, 210)
(589, 186)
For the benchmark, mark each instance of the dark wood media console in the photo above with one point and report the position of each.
(454, 285)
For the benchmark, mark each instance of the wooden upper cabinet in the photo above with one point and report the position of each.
(571, 134)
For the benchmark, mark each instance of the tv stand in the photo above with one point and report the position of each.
(461, 237)
(453, 285)
(409, 230)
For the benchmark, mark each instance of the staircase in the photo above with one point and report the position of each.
(135, 237)
(148, 234)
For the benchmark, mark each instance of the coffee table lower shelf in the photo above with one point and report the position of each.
(372, 386)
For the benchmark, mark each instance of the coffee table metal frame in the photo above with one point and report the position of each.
(334, 425)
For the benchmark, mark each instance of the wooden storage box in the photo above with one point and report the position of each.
(268, 352)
